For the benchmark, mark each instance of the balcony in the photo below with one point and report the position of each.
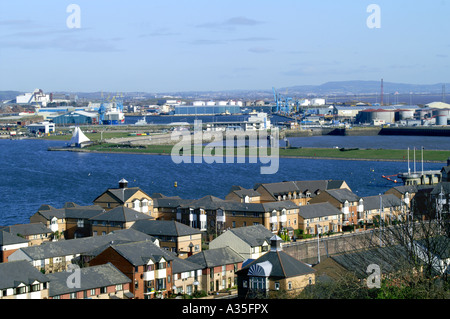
(149, 275)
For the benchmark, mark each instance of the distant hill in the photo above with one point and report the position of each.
(340, 88)
(361, 87)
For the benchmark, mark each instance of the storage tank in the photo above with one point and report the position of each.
(438, 112)
(406, 114)
(441, 120)
(210, 103)
(222, 103)
(424, 113)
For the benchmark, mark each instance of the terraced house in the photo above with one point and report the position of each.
(147, 266)
(131, 197)
(343, 199)
(70, 221)
(300, 192)
(20, 280)
(35, 233)
(117, 218)
(320, 218)
(178, 238)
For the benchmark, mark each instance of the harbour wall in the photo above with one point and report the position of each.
(369, 131)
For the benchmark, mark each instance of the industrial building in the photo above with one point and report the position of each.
(76, 118)
(42, 127)
(209, 108)
(256, 122)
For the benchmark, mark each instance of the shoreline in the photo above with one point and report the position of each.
(80, 150)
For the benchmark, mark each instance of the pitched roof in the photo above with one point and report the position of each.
(283, 265)
(140, 253)
(413, 188)
(388, 258)
(216, 257)
(343, 194)
(122, 194)
(254, 235)
(81, 245)
(121, 214)
(15, 272)
(282, 188)
(70, 210)
(7, 238)
(164, 228)
(180, 265)
(27, 229)
(90, 278)
(318, 210)
(387, 200)
(242, 192)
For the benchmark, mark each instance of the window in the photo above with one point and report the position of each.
(103, 290)
(80, 222)
(244, 284)
(92, 292)
(289, 285)
(277, 286)
(119, 287)
(73, 295)
(20, 290)
(34, 288)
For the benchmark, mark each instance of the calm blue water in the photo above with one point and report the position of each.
(31, 176)
(374, 142)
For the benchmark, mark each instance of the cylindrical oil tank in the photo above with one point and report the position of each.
(384, 115)
(406, 114)
(441, 120)
(445, 112)
(424, 113)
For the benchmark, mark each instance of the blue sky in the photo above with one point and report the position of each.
(174, 45)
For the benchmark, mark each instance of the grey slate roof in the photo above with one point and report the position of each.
(139, 253)
(216, 257)
(283, 265)
(286, 187)
(27, 229)
(170, 202)
(343, 194)
(90, 278)
(70, 210)
(254, 235)
(388, 258)
(15, 272)
(318, 210)
(242, 192)
(180, 265)
(413, 188)
(121, 214)
(164, 228)
(7, 238)
(122, 194)
(387, 200)
(82, 245)
(444, 186)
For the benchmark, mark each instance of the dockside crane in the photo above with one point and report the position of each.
(283, 104)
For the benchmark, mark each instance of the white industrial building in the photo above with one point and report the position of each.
(36, 97)
(42, 127)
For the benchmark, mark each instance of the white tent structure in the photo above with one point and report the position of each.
(78, 139)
